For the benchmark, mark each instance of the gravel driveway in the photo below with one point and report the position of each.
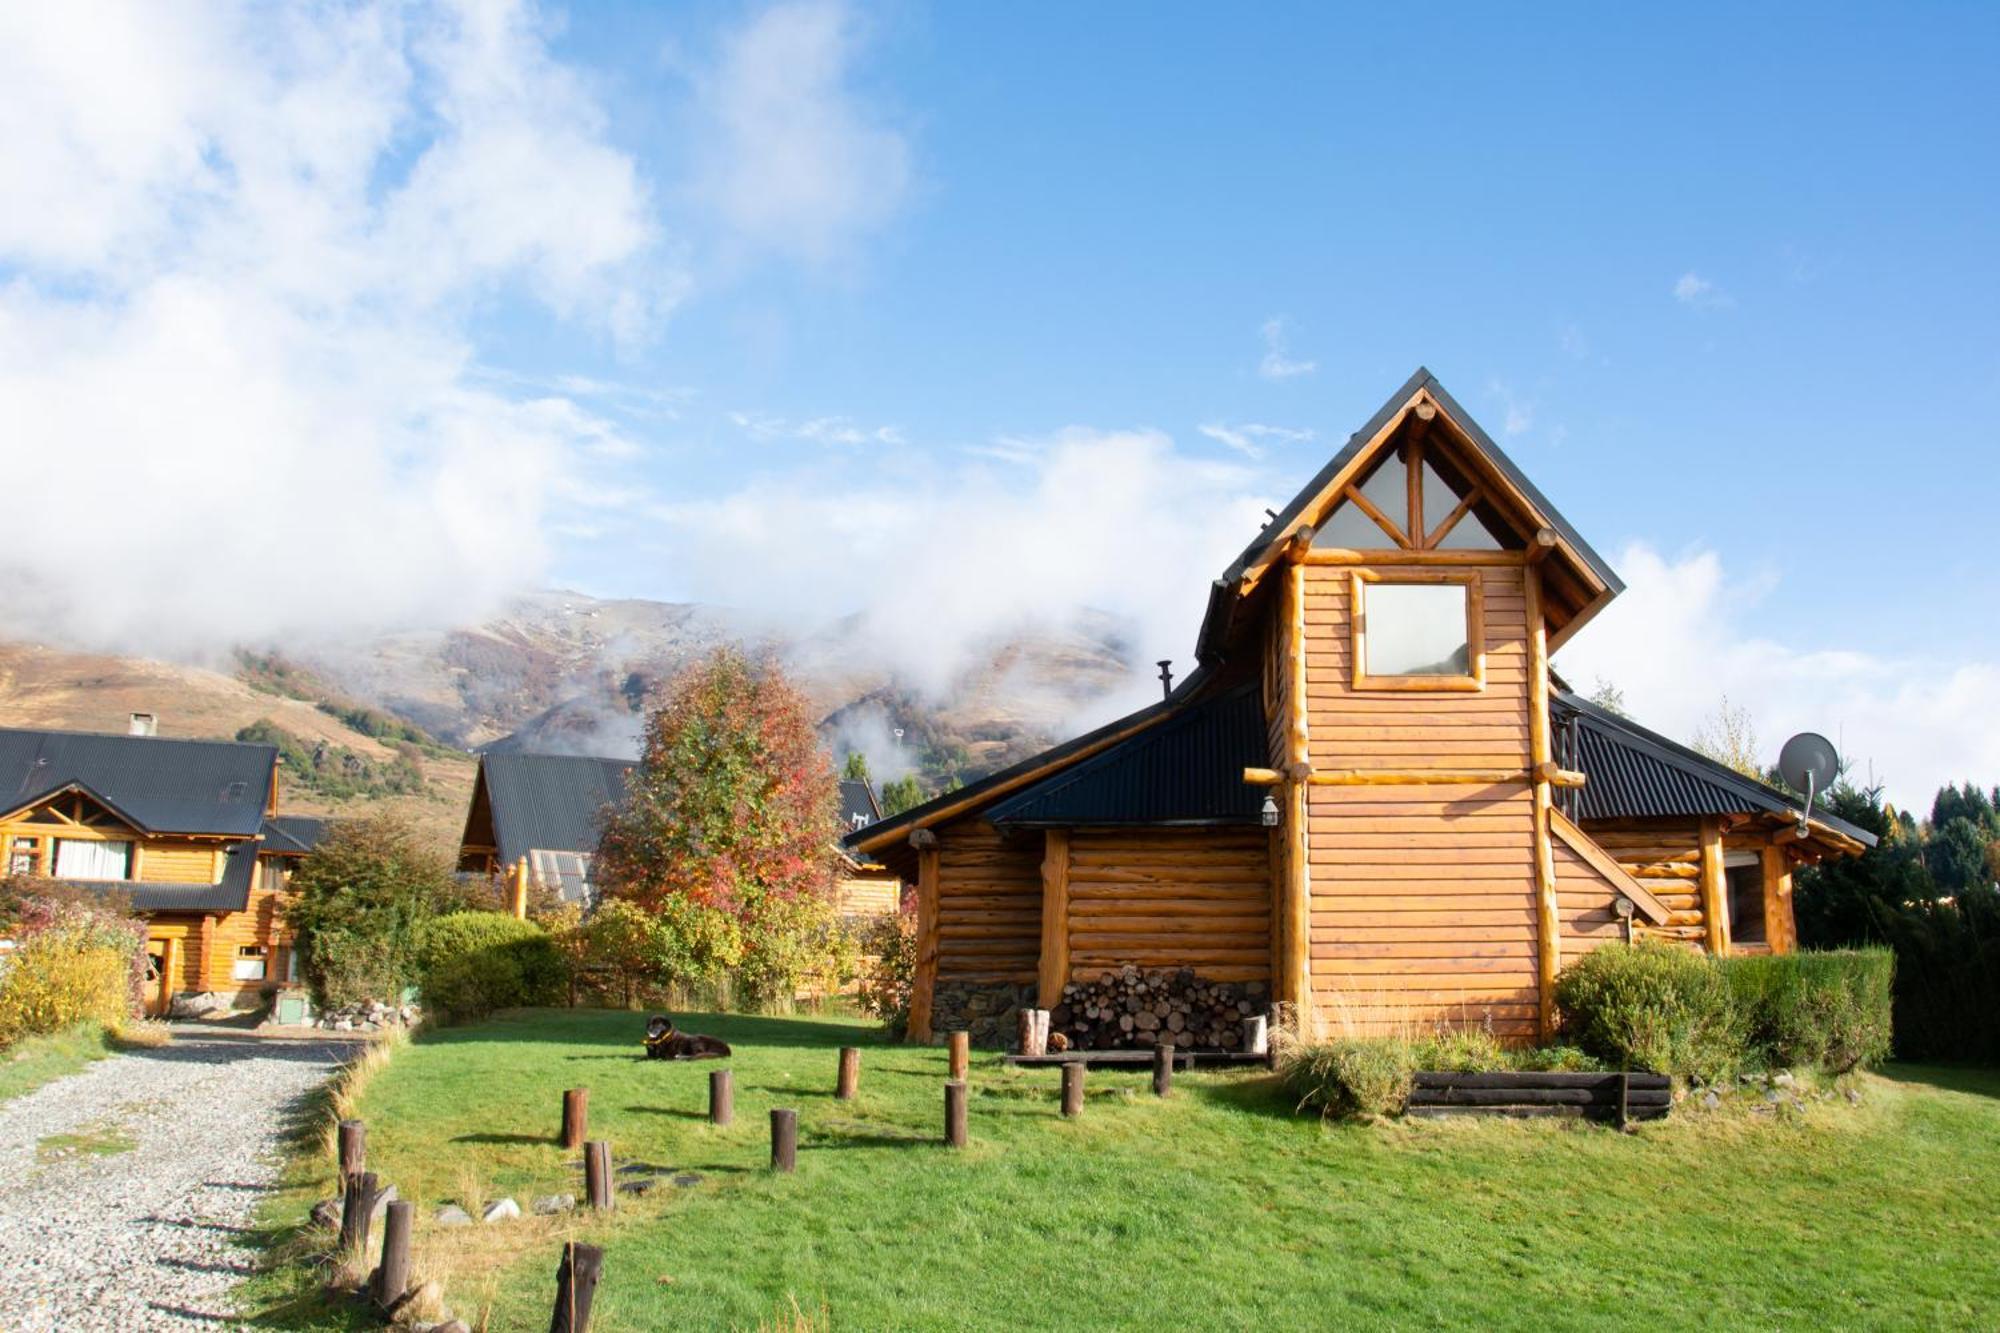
(124, 1189)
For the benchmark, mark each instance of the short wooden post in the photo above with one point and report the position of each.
(850, 1073)
(961, 1054)
(954, 1113)
(1273, 1032)
(597, 1174)
(575, 1117)
(1041, 1032)
(1256, 1035)
(392, 1279)
(784, 1139)
(357, 1203)
(1624, 1099)
(1072, 1089)
(576, 1285)
(353, 1147)
(1163, 1069)
(721, 1097)
(1024, 1039)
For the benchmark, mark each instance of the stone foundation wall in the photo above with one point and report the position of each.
(986, 1009)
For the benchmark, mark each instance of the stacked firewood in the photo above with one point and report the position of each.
(1130, 1008)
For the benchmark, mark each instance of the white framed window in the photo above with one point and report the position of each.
(1418, 631)
(568, 873)
(90, 858)
(1743, 876)
(251, 960)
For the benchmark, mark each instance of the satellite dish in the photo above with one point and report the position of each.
(1808, 763)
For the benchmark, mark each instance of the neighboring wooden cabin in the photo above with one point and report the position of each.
(1372, 800)
(187, 830)
(536, 819)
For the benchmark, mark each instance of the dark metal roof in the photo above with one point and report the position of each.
(857, 803)
(550, 802)
(232, 894)
(1191, 686)
(1213, 622)
(293, 835)
(1634, 773)
(1187, 770)
(161, 785)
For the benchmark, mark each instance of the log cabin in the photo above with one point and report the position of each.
(1372, 802)
(536, 819)
(186, 831)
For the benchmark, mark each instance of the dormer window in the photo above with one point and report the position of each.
(1418, 631)
(93, 858)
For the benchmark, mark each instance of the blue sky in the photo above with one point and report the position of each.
(811, 305)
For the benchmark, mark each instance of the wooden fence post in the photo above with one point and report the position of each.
(356, 1205)
(721, 1097)
(575, 1117)
(850, 1073)
(1072, 1089)
(393, 1278)
(576, 1284)
(1624, 1099)
(961, 1054)
(1163, 1069)
(784, 1139)
(353, 1147)
(597, 1174)
(954, 1113)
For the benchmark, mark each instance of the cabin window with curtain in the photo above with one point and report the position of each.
(21, 858)
(1743, 875)
(89, 858)
(1417, 632)
(251, 960)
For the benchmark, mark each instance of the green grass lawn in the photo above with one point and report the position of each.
(33, 1061)
(1216, 1208)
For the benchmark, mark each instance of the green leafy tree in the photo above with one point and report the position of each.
(1955, 854)
(1609, 697)
(360, 902)
(1729, 737)
(727, 832)
(900, 794)
(856, 767)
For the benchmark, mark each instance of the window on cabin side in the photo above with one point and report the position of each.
(250, 963)
(21, 859)
(568, 873)
(1415, 629)
(1743, 874)
(89, 858)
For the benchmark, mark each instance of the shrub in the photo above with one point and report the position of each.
(1652, 1006)
(1349, 1077)
(360, 900)
(891, 941)
(475, 962)
(1462, 1050)
(1827, 1010)
(73, 962)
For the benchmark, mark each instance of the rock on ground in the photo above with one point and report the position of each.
(154, 1236)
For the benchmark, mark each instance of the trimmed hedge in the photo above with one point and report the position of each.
(1672, 1010)
(472, 963)
(1826, 1010)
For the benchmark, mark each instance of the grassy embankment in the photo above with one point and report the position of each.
(1216, 1208)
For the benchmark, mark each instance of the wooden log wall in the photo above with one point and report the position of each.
(1587, 904)
(178, 863)
(1423, 895)
(1171, 898)
(989, 903)
(1664, 855)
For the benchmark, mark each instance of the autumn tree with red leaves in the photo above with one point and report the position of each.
(727, 832)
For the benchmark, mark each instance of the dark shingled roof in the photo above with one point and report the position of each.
(1635, 773)
(161, 785)
(550, 802)
(293, 835)
(232, 894)
(1188, 770)
(857, 803)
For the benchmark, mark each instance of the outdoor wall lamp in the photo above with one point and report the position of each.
(1269, 814)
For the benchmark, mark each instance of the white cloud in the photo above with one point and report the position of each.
(941, 554)
(1251, 438)
(235, 350)
(1694, 290)
(1518, 415)
(1683, 635)
(1278, 362)
(814, 430)
(796, 161)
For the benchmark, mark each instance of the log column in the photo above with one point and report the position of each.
(924, 981)
(1548, 919)
(1294, 915)
(1779, 926)
(1714, 887)
(1055, 919)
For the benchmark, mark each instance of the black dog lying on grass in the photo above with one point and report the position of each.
(666, 1042)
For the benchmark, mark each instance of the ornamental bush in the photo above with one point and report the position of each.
(74, 961)
(1653, 1006)
(472, 963)
(360, 902)
(1826, 1010)
(889, 951)
(1349, 1077)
